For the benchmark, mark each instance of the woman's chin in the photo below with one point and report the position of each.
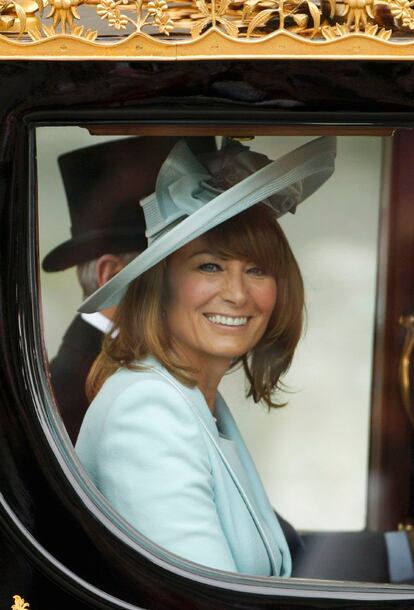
(227, 352)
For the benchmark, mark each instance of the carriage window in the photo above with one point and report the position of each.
(312, 454)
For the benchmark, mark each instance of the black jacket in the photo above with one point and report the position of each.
(69, 369)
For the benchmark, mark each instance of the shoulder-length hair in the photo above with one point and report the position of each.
(254, 236)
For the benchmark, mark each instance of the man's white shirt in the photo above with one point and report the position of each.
(99, 321)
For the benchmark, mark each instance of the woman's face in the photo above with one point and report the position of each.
(218, 308)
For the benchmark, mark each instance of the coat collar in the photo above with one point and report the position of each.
(192, 395)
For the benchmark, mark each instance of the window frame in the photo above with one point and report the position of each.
(37, 443)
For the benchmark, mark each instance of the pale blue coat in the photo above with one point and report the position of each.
(153, 448)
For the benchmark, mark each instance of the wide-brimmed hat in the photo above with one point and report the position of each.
(103, 185)
(195, 194)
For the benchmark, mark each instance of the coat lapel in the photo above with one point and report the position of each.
(279, 559)
(257, 493)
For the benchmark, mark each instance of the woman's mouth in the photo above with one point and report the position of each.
(227, 320)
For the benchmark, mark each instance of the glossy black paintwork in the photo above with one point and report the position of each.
(81, 563)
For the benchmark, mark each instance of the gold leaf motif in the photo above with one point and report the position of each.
(34, 33)
(222, 7)
(341, 10)
(332, 32)
(316, 16)
(202, 7)
(6, 23)
(197, 29)
(49, 30)
(14, 15)
(332, 5)
(384, 34)
(19, 603)
(248, 8)
(301, 20)
(231, 28)
(373, 30)
(328, 32)
(80, 32)
(90, 34)
(260, 19)
(342, 29)
(20, 12)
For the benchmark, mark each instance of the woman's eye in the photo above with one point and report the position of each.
(209, 267)
(256, 271)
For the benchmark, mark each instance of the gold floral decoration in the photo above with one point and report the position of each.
(110, 10)
(401, 11)
(19, 603)
(358, 12)
(155, 14)
(158, 10)
(63, 12)
(213, 14)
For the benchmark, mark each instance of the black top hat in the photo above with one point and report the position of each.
(104, 184)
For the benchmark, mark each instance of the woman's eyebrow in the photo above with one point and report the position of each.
(202, 252)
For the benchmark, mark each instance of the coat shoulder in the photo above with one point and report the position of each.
(138, 399)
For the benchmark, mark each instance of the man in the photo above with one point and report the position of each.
(103, 184)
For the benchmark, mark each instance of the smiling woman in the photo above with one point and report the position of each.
(218, 309)
(217, 285)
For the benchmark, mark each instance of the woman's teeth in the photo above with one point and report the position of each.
(227, 321)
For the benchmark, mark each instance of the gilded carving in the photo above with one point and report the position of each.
(223, 28)
(260, 13)
(17, 15)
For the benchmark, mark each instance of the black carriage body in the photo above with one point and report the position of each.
(55, 552)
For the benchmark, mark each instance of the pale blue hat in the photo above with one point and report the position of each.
(194, 194)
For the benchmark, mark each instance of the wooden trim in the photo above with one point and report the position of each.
(240, 130)
(391, 435)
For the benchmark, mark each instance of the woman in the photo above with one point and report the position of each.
(217, 286)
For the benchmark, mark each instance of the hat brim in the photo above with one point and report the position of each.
(80, 250)
(308, 166)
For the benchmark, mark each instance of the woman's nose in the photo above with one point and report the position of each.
(234, 289)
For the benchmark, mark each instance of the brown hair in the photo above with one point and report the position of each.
(253, 235)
